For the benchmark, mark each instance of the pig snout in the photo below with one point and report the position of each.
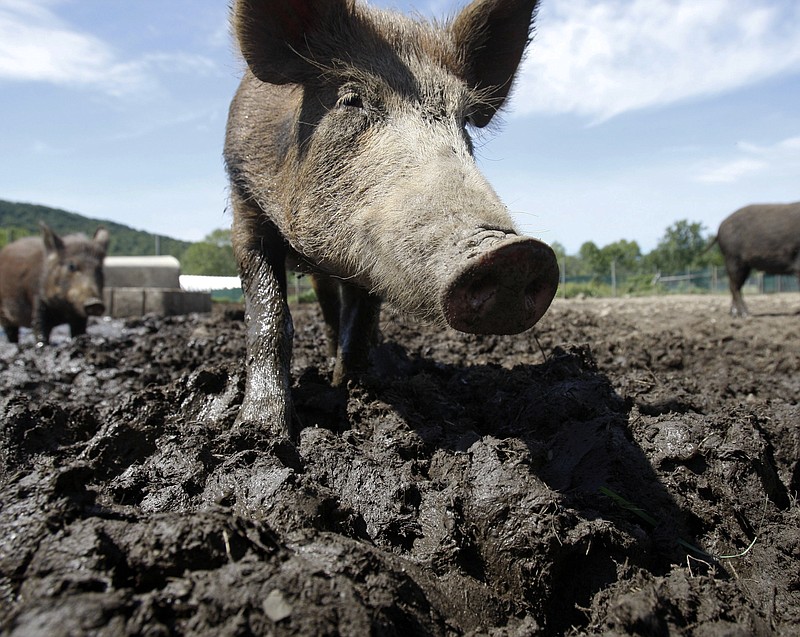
(94, 307)
(504, 288)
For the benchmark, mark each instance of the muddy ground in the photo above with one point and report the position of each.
(628, 467)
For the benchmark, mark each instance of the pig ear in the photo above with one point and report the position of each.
(101, 239)
(52, 242)
(278, 37)
(491, 36)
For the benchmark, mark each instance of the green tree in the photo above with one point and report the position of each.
(626, 256)
(124, 240)
(567, 264)
(560, 250)
(681, 248)
(7, 235)
(625, 253)
(221, 237)
(212, 256)
(591, 258)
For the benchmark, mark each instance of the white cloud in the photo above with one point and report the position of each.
(731, 171)
(787, 149)
(601, 58)
(780, 159)
(36, 46)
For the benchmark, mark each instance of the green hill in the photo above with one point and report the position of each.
(20, 219)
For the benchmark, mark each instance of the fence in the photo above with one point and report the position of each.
(713, 280)
(617, 282)
(716, 280)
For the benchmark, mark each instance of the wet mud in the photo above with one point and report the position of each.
(630, 466)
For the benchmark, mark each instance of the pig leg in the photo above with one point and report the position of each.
(77, 326)
(358, 331)
(12, 333)
(327, 291)
(351, 324)
(737, 275)
(261, 256)
(42, 325)
(10, 327)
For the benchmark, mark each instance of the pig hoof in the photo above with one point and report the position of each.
(505, 290)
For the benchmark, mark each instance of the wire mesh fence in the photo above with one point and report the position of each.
(617, 282)
(712, 280)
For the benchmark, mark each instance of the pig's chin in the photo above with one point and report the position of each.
(503, 291)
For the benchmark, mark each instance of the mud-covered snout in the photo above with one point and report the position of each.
(503, 290)
(94, 307)
(84, 296)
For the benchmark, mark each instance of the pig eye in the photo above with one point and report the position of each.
(72, 267)
(351, 99)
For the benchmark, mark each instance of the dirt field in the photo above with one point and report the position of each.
(629, 467)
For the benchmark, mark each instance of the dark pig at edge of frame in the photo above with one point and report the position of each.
(49, 280)
(762, 237)
(349, 154)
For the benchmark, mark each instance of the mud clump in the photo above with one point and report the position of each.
(628, 467)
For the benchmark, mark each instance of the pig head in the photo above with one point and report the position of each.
(51, 280)
(349, 153)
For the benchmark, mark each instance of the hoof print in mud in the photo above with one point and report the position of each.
(459, 496)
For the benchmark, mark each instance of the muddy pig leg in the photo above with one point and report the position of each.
(358, 331)
(77, 326)
(261, 256)
(9, 326)
(12, 333)
(327, 292)
(737, 275)
(351, 324)
(42, 324)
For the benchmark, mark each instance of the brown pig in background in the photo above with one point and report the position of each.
(759, 237)
(349, 154)
(51, 280)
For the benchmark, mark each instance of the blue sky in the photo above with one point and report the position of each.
(628, 114)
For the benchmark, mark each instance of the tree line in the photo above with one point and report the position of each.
(22, 219)
(212, 256)
(683, 247)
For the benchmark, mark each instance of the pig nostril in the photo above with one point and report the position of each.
(480, 292)
(534, 289)
(505, 291)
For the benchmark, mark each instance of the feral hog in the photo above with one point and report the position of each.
(349, 153)
(51, 280)
(762, 237)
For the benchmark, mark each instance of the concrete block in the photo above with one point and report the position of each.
(170, 302)
(142, 272)
(137, 301)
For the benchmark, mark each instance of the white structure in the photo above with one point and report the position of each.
(199, 283)
(143, 285)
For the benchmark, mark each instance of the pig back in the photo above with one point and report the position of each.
(764, 236)
(21, 265)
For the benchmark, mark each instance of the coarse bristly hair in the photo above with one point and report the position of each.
(362, 179)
